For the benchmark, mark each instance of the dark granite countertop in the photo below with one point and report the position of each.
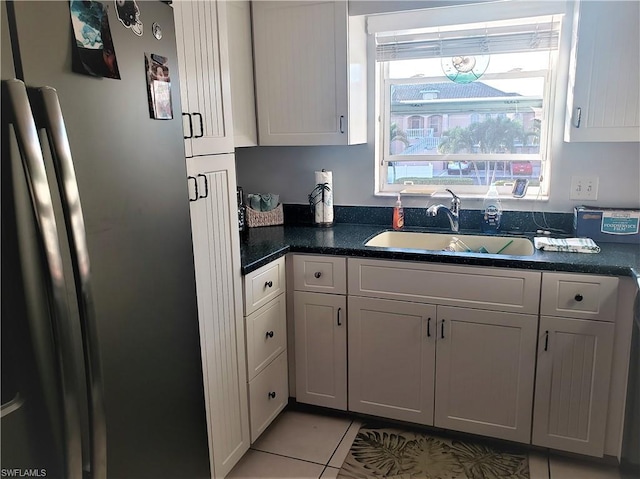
(260, 246)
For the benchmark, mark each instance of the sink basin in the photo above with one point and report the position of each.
(441, 241)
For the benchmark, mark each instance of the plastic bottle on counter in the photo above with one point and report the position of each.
(398, 215)
(491, 211)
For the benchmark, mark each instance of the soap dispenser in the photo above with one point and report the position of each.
(398, 215)
(491, 211)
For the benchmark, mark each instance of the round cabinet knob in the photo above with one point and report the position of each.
(268, 284)
(269, 334)
(272, 395)
(317, 274)
(578, 297)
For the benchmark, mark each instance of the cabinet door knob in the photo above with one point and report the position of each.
(269, 334)
(579, 297)
(272, 395)
(441, 329)
(317, 274)
(577, 117)
(268, 284)
(428, 327)
(339, 322)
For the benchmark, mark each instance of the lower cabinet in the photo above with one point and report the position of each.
(266, 333)
(485, 366)
(320, 322)
(392, 355)
(268, 395)
(456, 368)
(572, 384)
(470, 349)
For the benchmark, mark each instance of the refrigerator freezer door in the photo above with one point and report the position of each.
(131, 179)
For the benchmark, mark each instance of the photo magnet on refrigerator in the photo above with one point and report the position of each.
(129, 15)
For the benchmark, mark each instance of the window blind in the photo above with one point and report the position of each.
(540, 35)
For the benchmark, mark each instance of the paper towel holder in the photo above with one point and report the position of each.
(317, 197)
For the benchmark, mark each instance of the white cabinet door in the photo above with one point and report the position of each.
(201, 35)
(604, 83)
(320, 323)
(241, 73)
(485, 372)
(310, 73)
(216, 250)
(572, 384)
(392, 348)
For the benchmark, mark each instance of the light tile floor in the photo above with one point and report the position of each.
(302, 445)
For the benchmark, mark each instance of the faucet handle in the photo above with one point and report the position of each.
(455, 197)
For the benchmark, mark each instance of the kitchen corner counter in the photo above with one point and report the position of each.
(260, 246)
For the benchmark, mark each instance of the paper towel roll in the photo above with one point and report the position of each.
(323, 213)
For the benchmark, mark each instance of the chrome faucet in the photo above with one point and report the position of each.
(453, 213)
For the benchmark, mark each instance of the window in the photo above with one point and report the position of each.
(465, 105)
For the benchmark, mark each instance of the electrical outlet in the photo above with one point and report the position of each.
(584, 188)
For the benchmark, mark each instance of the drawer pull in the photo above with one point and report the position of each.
(442, 329)
(268, 284)
(429, 328)
(546, 340)
(269, 334)
(317, 274)
(272, 395)
(579, 297)
(339, 322)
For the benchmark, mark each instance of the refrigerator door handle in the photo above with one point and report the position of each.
(16, 101)
(12, 405)
(53, 122)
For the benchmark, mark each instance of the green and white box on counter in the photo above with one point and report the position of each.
(609, 225)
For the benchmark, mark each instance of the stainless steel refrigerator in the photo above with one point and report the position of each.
(101, 369)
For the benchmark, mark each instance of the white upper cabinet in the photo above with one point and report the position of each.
(241, 73)
(604, 81)
(201, 34)
(310, 73)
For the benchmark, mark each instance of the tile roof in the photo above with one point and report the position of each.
(447, 90)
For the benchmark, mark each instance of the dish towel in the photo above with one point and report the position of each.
(568, 245)
(263, 202)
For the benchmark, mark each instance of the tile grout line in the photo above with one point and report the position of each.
(339, 442)
(336, 449)
(288, 457)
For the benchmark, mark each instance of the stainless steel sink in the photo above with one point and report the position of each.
(447, 241)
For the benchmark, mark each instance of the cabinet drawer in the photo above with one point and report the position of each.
(263, 284)
(320, 274)
(268, 395)
(579, 296)
(266, 335)
(495, 289)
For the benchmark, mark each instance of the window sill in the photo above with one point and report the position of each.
(533, 194)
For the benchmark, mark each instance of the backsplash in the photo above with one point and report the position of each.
(512, 221)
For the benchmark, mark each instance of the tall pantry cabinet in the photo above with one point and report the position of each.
(202, 37)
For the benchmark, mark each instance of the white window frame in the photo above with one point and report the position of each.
(382, 106)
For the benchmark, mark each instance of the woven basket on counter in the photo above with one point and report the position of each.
(264, 218)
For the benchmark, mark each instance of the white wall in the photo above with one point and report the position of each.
(288, 171)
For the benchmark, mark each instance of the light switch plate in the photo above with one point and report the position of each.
(584, 188)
